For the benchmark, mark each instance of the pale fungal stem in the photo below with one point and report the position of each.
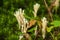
(44, 25)
(36, 30)
(22, 29)
(20, 37)
(36, 7)
(56, 5)
(21, 21)
(25, 27)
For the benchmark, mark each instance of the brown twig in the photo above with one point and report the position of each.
(31, 23)
(49, 9)
(52, 4)
(27, 36)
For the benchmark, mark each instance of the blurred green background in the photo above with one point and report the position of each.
(8, 24)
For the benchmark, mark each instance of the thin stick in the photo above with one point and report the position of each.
(49, 9)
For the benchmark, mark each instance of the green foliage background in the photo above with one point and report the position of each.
(8, 24)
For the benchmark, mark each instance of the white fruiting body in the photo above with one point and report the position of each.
(20, 37)
(25, 27)
(56, 5)
(21, 21)
(44, 25)
(36, 7)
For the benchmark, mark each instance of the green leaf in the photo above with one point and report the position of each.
(27, 16)
(31, 30)
(56, 23)
(49, 28)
